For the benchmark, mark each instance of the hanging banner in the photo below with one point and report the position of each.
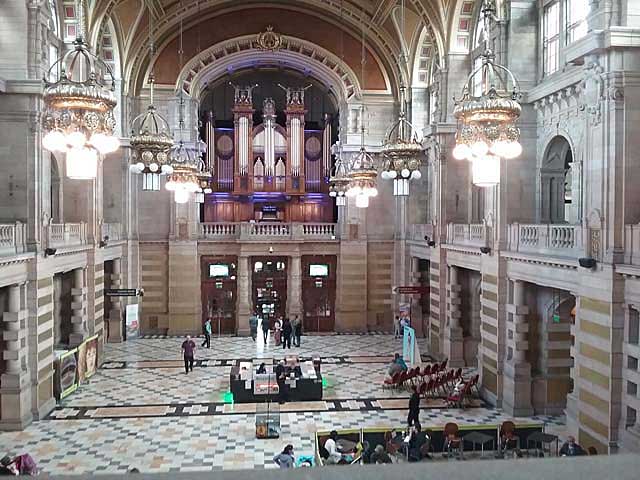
(132, 321)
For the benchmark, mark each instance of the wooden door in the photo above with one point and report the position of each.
(319, 292)
(219, 290)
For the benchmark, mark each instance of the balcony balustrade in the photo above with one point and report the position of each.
(12, 238)
(546, 239)
(60, 235)
(112, 231)
(468, 234)
(270, 231)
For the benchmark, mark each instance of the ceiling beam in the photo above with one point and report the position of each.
(382, 11)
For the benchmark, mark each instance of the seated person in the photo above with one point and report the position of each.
(262, 368)
(331, 447)
(417, 440)
(380, 456)
(400, 361)
(571, 448)
(397, 365)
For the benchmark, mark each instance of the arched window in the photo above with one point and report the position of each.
(54, 40)
(556, 183)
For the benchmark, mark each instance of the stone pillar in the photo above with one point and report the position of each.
(115, 311)
(454, 340)
(294, 289)
(78, 308)
(244, 296)
(517, 371)
(15, 393)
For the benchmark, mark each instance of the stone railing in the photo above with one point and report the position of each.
(112, 231)
(471, 234)
(66, 234)
(272, 231)
(419, 231)
(12, 238)
(556, 240)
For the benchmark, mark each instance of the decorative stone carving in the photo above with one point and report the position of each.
(593, 92)
(268, 40)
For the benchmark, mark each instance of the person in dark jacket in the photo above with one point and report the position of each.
(380, 456)
(414, 409)
(297, 330)
(571, 448)
(417, 440)
(287, 330)
(265, 328)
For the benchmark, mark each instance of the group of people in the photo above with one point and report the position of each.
(285, 331)
(398, 325)
(21, 465)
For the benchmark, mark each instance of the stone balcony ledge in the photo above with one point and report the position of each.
(268, 232)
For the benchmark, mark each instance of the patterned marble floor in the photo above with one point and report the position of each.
(142, 411)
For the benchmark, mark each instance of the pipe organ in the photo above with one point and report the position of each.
(269, 171)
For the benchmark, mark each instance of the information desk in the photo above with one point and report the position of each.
(303, 382)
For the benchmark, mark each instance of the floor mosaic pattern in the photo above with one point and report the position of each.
(141, 410)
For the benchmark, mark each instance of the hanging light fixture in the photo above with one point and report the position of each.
(78, 115)
(187, 165)
(402, 148)
(339, 180)
(151, 137)
(487, 119)
(363, 173)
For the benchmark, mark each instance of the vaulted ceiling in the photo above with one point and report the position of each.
(334, 25)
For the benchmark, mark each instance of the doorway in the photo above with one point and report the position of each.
(269, 286)
(219, 291)
(319, 292)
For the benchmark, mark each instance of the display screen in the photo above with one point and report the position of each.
(218, 270)
(318, 270)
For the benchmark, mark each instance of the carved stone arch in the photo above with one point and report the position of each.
(563, 301)
(241, 53)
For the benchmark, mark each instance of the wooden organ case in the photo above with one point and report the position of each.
(269, 172)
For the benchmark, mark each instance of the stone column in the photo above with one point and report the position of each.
(454, 342)
(115, 310)
(244, 296)
(294, 289)
(517, 371)
(15, 394)
(78, 308)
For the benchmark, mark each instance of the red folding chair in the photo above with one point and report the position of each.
(391, 382)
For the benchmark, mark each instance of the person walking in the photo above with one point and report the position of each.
(207, 333)
(265, 328)
(286, 458)
(287, 330)
(188, 351)
(297, 330)
(277, 331)
(414, 409)
(253, 325)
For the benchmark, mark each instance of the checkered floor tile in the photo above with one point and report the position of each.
(142, 411)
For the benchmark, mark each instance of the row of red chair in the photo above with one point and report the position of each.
(414, 376)
(440, 384)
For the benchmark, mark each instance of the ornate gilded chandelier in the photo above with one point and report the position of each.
(78, 110)
(151, 138)
(401, 155)
(363, 174)
(187, 165)
(339, 180)
(487, 119)
(402, 148)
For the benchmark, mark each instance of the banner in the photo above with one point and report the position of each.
(87, 358)
(132, 321)
(66, 380)
(410, 349)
